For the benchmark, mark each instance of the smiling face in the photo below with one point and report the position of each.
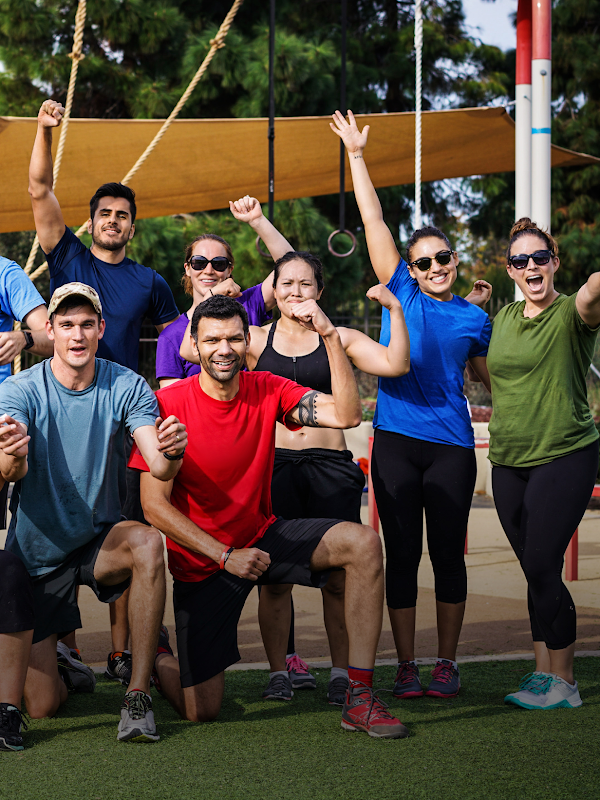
(206, 279)
(535, 281)
(295, 284)
(437, 281)
(112, 226)
(75, 333)
(222, 347)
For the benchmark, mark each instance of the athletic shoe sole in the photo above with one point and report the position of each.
(275, 697)
(438, 694)
(374, 733)
(4, 745)
(563, 704)
(304, 684)
(140, 737)
(408, 695)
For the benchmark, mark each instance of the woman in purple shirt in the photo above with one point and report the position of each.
(208, 268)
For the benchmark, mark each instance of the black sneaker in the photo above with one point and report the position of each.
(445, 680)
(279, 688)
(408, 682)
(336, 691)
(118, 667)
(12, 723)
(78, 677)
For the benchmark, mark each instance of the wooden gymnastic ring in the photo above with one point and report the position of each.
(330, 246)
(260, 250)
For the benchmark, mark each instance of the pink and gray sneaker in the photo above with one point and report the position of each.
(445, 680)
(408, 683)
(299, 673)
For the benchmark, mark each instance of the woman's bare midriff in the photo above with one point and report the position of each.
(326, 438)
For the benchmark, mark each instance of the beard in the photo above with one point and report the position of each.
(218, 375)
(108, 243)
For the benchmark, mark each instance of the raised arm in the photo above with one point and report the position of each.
(14, 447)
(341, 408)
(168, 436)
(248, 209)
(13, 342)
(155, 496)
(383, 252)
(588, 301)
(372, 357)
(480, 294)
(49, 221)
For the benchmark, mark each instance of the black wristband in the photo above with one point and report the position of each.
(28, 340)
(175, 458)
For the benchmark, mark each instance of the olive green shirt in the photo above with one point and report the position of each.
(537, 369)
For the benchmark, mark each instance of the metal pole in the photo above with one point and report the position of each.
(418, 91)
(541, 86)
(523, 117)
(343, 109)
(271, 133)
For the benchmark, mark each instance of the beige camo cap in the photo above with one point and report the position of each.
(78, 289)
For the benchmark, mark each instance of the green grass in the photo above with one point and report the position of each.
(470, 747)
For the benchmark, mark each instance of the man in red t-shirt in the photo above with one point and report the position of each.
(222, 536)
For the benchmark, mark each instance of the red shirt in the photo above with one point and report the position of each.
(224, 484)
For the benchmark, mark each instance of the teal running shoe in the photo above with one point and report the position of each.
(533, 690)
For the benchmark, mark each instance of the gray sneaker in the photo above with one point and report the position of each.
(562, 695)
(279, 688)
(299, 673)
(77, 676)
(336, 691)
(137, 719)
(118, 667)
(532, 692)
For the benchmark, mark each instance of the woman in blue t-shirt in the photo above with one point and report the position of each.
(423, 453)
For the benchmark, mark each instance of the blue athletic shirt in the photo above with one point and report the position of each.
(129, 292)
(72, 490)
(18, 296)
(428, 402)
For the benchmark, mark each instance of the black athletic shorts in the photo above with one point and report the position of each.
(207, 612)
(316, 483)
(55, 593)
(3, 504)
(16, 595)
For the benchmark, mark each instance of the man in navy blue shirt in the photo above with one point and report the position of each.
(129, 292)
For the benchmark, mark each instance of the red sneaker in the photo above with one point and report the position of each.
(364, 711)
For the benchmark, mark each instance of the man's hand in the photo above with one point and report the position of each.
(228, 287)
(246, 209)
(249, 563)
(480, 293)
(310, 316)
(50, 114)
(13, 437)
(382, 295)
(354, 140)
(172, 435)
(11, 344)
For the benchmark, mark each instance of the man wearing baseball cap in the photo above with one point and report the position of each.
(62, 434)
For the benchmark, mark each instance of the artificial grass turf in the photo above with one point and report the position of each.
(470, 747)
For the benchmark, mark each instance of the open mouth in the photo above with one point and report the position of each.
(224, 366)
(535, 283)
(439, 278)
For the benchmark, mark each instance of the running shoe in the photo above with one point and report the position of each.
(78, 677)
(408, 683)
(445, 680)
(364, 711)
(137, 719)
(118, 667)
(12, 723)
(279, 688)
(299, 674)
(542, 691)
(336, 691)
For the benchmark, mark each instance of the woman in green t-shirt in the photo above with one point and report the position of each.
(544, 447)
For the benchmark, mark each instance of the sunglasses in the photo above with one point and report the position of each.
(219, 263)
(442, 258)
(540, 257)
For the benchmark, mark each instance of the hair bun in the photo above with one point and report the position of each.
(523, 224)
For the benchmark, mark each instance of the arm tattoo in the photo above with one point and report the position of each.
(307, 410)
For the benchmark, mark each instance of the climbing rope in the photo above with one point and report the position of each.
(418, 90)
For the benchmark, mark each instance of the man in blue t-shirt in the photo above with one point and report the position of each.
(62, 441)
(129, 293)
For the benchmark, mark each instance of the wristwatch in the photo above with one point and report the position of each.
(28, 340)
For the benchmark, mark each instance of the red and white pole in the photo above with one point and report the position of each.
(541, 119)
(523, 116)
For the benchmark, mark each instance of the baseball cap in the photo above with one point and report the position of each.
(77, 289)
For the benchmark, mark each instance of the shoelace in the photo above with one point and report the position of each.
(443, 673)
(279, 683)
(407, 673)
(537, 684)
(137, 704)
(7, 719)
(376, 704)
(121, 664)
(296, 664)
(337, 686)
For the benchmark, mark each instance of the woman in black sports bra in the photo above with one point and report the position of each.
(314, 474)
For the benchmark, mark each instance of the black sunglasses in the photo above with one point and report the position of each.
(219, 263)
(442, 258)
(540, 257)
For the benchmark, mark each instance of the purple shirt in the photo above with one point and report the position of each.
(169, 364)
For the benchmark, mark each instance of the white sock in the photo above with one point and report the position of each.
(454, 664)
(338, 672)
(413, 662)
(278, 672)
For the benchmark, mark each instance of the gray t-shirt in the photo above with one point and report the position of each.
(71, 492)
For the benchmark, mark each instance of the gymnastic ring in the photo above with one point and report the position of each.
(260, 250)
(352, 248)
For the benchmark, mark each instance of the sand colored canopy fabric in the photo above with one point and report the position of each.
(202, 163)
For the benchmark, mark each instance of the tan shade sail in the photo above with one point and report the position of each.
(200, 164)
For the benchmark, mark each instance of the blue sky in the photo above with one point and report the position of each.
(493, 19)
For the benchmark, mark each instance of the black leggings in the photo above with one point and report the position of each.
(540, 508)
(410, 475)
